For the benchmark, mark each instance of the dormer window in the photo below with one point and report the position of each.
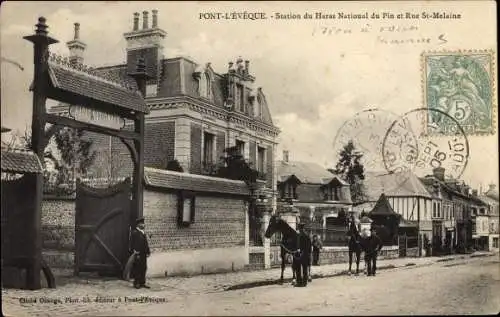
(240, 97)
(331, 193)
(288, 188)
(204, 87)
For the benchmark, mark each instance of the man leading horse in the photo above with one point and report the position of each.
(367, 241)
(303, 256)
(296, 244)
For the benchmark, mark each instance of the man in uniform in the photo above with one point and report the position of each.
(140, 247)
(305, 246)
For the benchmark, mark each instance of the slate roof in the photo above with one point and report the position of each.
(20, 161)
(176, 79)
(4, 129)
(382, 207)
(488, 200)
(451, 186)
(395, 184)
(200, 183)
(107, 91)
(306, 172)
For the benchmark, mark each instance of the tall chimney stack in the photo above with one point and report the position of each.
(145, 24)
(136, 21)
(76, 46)
(155, 19)
(77, 31)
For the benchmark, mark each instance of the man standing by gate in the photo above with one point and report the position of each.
(140, 247)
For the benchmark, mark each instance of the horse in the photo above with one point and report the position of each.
(354, 245)
(370, 245)
(288, 246)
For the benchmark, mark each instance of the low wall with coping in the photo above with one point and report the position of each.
(331, 255)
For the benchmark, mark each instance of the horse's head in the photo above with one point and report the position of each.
(273, 226)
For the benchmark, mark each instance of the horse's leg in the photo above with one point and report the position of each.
(350, 260)
(282, 268)
(309, 276)
(358, 258)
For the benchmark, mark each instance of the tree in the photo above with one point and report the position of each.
(350, 168)
(75, 150)
(234, 166)
(175, 166)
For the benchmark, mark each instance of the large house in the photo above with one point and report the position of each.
(195, 114)
(321, 199)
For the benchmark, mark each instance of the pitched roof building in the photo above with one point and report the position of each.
(318, 196)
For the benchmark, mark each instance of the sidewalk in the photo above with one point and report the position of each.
(68, 297)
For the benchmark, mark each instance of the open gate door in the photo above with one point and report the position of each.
(102, 223)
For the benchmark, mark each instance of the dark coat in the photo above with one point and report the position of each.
(317, 245)
(139, 243)
(372, 245)
(305, 244)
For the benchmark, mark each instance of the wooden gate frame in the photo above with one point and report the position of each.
(116, 101)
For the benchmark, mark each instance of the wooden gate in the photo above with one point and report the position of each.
(102, 223)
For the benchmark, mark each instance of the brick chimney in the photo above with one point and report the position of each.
(154, 25)
(474, 192)
(76, 47)
(145, 24)
(438, 172)
(285, 156)
(136, 21)
(145, 43)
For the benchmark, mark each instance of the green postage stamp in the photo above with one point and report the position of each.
(461, 84)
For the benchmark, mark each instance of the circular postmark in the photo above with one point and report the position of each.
(367, 130)
(431, 149)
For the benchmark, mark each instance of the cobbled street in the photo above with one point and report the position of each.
(455, 285)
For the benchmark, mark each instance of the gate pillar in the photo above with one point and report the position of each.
(41, 42)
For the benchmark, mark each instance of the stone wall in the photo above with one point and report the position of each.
(58, 231)
(331, 255)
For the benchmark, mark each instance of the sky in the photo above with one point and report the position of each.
(316, 74)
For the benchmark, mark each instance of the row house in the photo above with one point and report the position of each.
(454, 207)
(408, 197)
(490, 198)
(314, 196)
(195, 112)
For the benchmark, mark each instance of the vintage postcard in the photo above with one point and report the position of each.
(249, 158)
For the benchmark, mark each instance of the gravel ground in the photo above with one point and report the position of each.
(180, 295)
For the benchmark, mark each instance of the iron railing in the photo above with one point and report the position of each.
(331, 237)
